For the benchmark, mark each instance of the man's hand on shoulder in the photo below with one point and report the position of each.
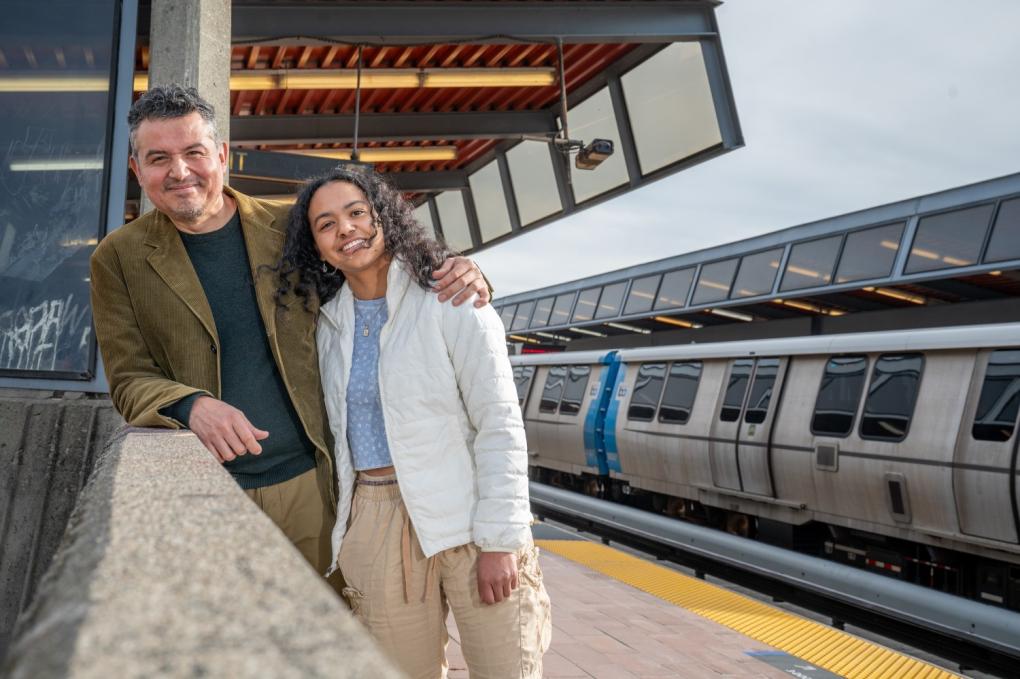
(459, 278)
(224, 429)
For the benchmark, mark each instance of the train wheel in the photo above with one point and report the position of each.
(738, 524)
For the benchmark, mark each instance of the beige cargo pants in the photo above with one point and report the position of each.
(403, 598)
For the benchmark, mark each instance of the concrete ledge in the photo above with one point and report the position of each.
(167, 569)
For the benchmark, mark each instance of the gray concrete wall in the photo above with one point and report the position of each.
(47, 447)
(168, 570)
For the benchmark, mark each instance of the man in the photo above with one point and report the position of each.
(190, 332)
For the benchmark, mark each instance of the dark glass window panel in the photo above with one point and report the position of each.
(586, 303)
(573, 392)
(1005, 242)
(757, 274)
(949, 239)
(681, 388)
(507, 316)
(869, 253)
(54, 143)
(674, 289)
(522, 378)
(542, 311)
(736, 388)
(811, 264)
(611, 302)
(523, 315)
(714, 282)
(561, 309)
(553, 389)
(642, 295)
(647, 390)
(839, 396)
(891, 396)
(995, 419)
(761, 390)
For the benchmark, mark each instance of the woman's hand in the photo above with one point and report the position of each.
(497, 576)
(460, 276)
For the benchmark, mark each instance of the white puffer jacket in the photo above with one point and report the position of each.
(450, 408)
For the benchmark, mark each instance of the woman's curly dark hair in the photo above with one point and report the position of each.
(300, 269)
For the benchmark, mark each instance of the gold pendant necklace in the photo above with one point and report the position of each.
(368, 321)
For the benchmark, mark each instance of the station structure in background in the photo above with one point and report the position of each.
(459, 103)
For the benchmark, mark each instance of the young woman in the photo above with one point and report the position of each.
(431, 457)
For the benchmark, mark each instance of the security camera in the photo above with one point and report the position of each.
(592, 155)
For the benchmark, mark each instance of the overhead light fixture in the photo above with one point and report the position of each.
(631, 328)
(676, 321)
(549, 335)
(520, 338)
(898, 294)
(55, 164)
(592, 155)
(384, 154)
(56, 82)
(585, 331)
(805, 306)
(994, 273)
(735, 315)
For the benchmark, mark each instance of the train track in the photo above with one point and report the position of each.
(965, 632)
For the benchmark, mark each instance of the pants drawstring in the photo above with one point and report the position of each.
(405, 558)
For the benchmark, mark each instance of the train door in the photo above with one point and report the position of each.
(985, 459)
(754, 435)
(726, 426)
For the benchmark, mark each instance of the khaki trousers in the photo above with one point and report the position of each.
(404, 598)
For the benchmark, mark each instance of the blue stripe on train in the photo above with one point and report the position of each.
(613, 409)
(595, 440)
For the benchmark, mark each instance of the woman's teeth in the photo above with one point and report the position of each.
(353, 245)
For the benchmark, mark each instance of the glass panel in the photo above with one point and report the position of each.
(523, 315)
(642, 295)
(670, 106)
(949, 239)
(714, 282)
(735, 390)
(423, 215)
(757, 274)
(542, 311)
(761, 390)
(869, 253)
(647, 390)
(681, 388)
(585, 309)
(573, 392)
(553, 389)
(674, 289)
(531, 173)
(453, 220)
(522, 378)
(891, 396)
(839, 396)
(995, 418)
(1005, 242)
(507, 316)
(561, 309)
(811, 264)
(490, 202)
(54, 143)
(611, 301)
(593, 118)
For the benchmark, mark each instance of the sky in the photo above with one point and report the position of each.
(844, 105)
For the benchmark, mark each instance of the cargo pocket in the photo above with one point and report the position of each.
(354, 598)
(535, 613)
(528, 570)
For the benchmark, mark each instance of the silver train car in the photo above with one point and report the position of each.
(893, 451)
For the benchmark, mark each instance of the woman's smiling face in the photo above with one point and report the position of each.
(345, 229)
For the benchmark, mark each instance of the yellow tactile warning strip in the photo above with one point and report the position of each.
(831, 649)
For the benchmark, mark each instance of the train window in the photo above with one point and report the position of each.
(586, 303)
(839, 396)
(811, 264)
(573, 392)
(681, 388)
(892, 394)
(757, 274)
(523, 315)
(761, 390)
(999, 403)
(561, 309)
(869, 253)
(674, 289)
(522, 378)
(740, 374)
(949, 239)
(642, 295)
(714, 282)
(1005, 242)
(507, 315)
(611, 302)
(553, 389)
(647, 390)
(542, 311)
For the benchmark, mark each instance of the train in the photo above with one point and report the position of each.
(893, 451)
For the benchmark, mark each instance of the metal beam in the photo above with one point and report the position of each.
(408, 182)
(328, 129)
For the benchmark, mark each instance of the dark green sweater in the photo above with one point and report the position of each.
(249, 378)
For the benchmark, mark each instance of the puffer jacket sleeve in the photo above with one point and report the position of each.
(477, 348)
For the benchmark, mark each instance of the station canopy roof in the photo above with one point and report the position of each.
(460, 100)
(960, 245)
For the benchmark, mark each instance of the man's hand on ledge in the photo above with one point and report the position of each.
(224, 429)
